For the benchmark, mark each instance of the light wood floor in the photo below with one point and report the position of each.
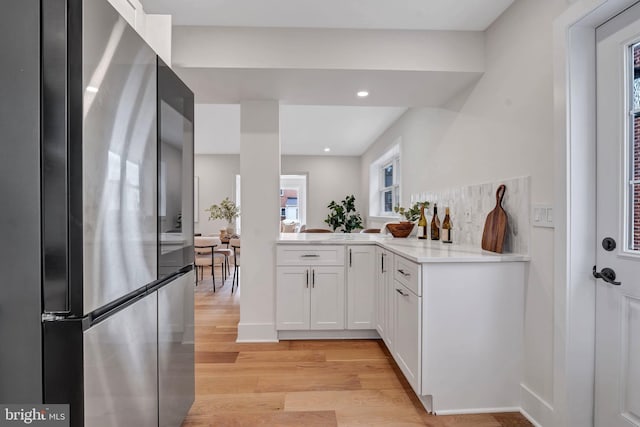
(301, 383)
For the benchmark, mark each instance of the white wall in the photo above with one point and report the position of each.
(329, 178)
(217, 180)
(500, 128)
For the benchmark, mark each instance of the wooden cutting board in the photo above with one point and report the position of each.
(495, 227)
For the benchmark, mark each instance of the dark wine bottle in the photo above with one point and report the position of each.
(435, 224)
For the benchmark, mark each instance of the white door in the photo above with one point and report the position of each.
(617, 400)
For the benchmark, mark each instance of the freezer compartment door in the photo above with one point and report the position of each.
(176, 376)
(120, 368)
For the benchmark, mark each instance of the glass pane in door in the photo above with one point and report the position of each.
(633, 177)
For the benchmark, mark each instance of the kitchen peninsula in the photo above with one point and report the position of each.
(450, 315)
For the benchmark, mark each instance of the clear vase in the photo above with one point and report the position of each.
(231, 229)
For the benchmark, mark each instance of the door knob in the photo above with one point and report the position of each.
(607, 274)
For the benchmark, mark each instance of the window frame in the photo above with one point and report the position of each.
(629, 172)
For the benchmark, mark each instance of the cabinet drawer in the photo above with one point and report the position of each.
(407, 273)
(310, 255)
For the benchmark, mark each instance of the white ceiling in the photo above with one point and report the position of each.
(462, 15)
(304, 129)
(319, 107)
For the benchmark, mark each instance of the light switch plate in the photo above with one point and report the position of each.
(542, 216)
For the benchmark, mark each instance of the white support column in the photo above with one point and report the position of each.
(260, 210)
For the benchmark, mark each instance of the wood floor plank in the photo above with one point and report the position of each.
(216, 385)
(325, 400)
(238, 402)
(293, 382)
(378, 416)
(280, 356)
(216, 356)
(266, 419)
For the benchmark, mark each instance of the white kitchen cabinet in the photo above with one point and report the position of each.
(384, 282)
(310, 298)
(310, 295)
(293, 297)
(361, 287)
(327, 298)
(407, 349)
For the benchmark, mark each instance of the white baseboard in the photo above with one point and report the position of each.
(479, 410)
(534, 408)
(257, 332)
(329, 335)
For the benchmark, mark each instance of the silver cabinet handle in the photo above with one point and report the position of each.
(401, 271)
(307, 278)
(349, 257)
(401, 292)
(313, 278)
(310, 256)
(382, 263)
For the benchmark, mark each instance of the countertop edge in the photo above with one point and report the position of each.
(459, 255)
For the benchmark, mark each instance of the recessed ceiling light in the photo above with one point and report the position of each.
(92, 89)
(327, 149)
(363, 94)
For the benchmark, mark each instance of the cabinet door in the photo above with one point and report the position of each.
(327, 297)
(361, 287)
(382, 264)
(292, 298)
(408, 333)
(390, 296)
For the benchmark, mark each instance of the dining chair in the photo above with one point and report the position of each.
(205, 256)
(235, 246)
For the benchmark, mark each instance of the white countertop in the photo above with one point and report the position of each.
(422, 251)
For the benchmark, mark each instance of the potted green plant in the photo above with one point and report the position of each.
(343, 215)
(226, 210)
(413, 213)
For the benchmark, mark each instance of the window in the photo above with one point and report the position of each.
(293, 190)
(385, 183)
(289, 204)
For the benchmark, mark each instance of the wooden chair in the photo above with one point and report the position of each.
(316, 230)
(205, 256)
(370, 230)
(235, 246)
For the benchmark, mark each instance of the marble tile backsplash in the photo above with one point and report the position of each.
(470, 205)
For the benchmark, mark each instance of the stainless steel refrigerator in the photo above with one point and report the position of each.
(96, 303)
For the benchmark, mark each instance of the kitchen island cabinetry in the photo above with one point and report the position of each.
(451, 316)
